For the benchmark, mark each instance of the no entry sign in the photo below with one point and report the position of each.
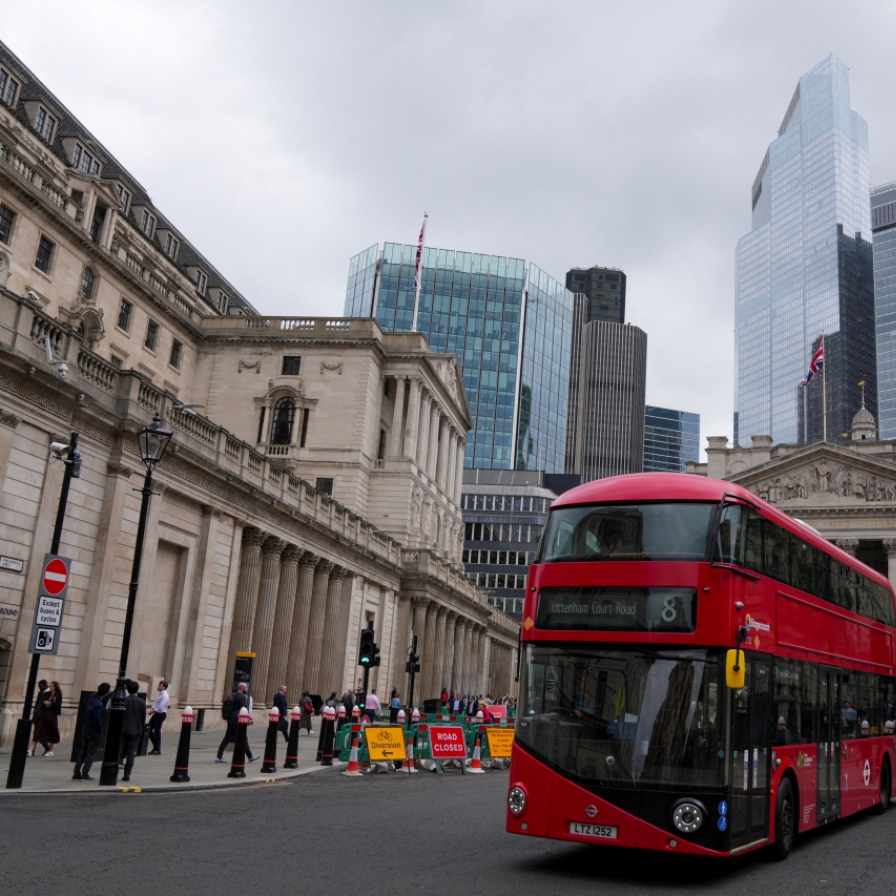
(55, 576)
(447, 742)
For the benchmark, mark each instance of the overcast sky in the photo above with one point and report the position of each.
(282, 138)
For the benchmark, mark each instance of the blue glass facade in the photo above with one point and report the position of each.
(883, 227)
(671, 439)
(803, 269)
(509, 327)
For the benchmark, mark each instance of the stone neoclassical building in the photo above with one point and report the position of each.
(847, 491)
(312, 485)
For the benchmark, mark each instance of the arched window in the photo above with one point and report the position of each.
(87, 279)
(282, 421)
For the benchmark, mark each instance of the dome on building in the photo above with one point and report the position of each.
(864, 426)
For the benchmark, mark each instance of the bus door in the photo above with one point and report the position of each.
(828, 745)
(749, 752)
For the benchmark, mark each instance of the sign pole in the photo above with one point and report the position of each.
(23, 726)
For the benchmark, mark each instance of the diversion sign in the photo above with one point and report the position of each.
(627, 609)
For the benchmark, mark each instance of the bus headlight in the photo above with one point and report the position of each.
(688, 815)
(516, 800)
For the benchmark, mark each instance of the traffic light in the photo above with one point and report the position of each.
(368, 652)
(413, 663)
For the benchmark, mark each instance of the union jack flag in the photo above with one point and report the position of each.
(816, 363)
(419, 258)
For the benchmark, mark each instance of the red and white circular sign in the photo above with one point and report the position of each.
(55, 577)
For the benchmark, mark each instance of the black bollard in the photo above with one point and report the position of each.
(320, 737)
(182, 760)
(329, 731)
(292, 748)
(238, 765)
(270, 745)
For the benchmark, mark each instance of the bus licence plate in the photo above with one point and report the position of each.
(602, 831)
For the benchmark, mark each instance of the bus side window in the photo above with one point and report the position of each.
(752, 557)
(725, 550)
(776, 553)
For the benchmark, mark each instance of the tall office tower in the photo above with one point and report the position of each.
(883, 228)
(805, 269)
(509, 326)
(671, 439)
(605, 288)
(607, 383)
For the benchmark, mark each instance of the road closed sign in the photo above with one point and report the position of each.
(447, 742)
(385, 742)
(500, 742)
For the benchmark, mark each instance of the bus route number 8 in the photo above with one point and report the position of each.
(669, 613)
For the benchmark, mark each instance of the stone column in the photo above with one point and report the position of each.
(397, 430)
(263, 627)
(315, 637)
(295, 667)
(247, 590)
(438, 673)
(329, 680)
(457, 667)
(429, 659)
(890, 547)
(442, 455)
(433, 451)
(459, 471)
(850, 545)
(418, 628)
(450, 475)
(413, 425)
(423, 428)
(286, 601)
(448, 651)
(485, 645)
(469, 659)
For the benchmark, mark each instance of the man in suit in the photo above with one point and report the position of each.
(132, 727)
(280, 703)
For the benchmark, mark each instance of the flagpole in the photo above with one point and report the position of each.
(824, 389)
(418, 274)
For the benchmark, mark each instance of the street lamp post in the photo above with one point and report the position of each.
(153, 440)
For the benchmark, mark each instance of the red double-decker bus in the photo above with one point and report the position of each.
(700, 673)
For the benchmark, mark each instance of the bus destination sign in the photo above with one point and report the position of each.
(613, 609)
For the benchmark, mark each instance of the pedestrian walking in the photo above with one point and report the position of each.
(132, 727)
(307, 708)
(394, 706)
(283, 709)
(238, 700)
(372, 706)
(46, 716)
(348, 701)
(443, 697)
(157, 716)
(91, 732)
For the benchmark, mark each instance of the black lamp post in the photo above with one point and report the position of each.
(153, 440)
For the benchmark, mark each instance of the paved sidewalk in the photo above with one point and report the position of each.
(53, 774)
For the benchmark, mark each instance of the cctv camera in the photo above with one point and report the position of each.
(58, 447)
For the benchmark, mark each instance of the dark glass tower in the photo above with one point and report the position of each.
(605, 289)
(671, 439)
(805, 269)
(509, 325)
(883, 229)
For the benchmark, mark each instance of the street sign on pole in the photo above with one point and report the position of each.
(50, 605)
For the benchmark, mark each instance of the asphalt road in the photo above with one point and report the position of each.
(387, 834)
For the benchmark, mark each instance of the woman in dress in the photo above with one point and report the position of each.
(46, 731)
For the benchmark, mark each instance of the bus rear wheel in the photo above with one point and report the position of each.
(785, 821)
(885, 787)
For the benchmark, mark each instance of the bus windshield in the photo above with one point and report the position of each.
(676, 531)
(623, 718)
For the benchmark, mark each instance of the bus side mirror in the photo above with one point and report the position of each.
(735, 670)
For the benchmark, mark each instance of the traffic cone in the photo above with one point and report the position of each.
(410, 760)
(476, 765)
(352, 769)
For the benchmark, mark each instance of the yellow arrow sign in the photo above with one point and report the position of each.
(385, 742)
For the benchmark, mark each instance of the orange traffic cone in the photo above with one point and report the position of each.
(352, 769)
(476, 765)
(409, 763)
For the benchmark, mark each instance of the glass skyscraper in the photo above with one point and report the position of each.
(671, 439)
(883, 228)
(509, 326)
(805, 269)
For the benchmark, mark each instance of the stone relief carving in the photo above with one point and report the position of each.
(249, 365)
(416, 506)
(835, 480)
(4, 269)
(337, 367)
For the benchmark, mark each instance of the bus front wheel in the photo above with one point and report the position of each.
(785, 820)
(885, 787)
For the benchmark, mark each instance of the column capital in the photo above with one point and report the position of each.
(469, 623)
(323, 567)
(253, 537)
(452, 615)
(850, 545)
(11, 421)
(309, 560)
(420, 600)
(890, 546)
(291, 554)
(442, 610)
(338, 573)
(272, 545)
